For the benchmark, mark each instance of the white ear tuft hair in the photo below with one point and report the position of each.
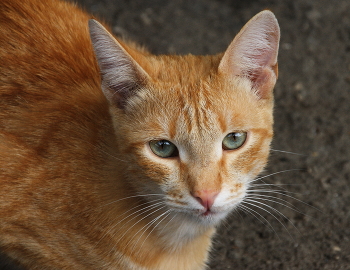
(253, 53)
(121, 74)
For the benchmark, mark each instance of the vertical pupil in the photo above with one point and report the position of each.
(162, 144)
(234, 136)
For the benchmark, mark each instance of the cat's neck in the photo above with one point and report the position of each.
(181, 231)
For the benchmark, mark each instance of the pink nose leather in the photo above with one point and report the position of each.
(205, 197)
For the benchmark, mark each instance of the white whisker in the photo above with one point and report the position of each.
(270, 207)
(160, 233)
(276, 191)
(158, 209)
(166, 213)
(250, 210)
(275, 185)
(142, 210)
(134, 196)
(276, 218)
(262, 177)
(112, 202)
(282, 193)
(275, 200)
(150, 207)
(279, 187)
(287, 152)
(125, 232)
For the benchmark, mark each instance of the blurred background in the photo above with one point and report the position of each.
(311, 230)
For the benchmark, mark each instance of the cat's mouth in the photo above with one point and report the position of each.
(211, 215)
(207, 213)
(207, 216)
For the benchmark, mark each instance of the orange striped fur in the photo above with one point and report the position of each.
(80, 186)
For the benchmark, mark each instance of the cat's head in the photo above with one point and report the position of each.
(195, 129)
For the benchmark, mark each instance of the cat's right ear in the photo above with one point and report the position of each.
(121, 75)
(253, 54)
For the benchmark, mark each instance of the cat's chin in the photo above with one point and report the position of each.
(213, 217)
(205, 218)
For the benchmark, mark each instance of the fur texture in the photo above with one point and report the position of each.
(80, 186)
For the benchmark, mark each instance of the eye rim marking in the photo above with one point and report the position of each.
(173, 154)
(239, 145)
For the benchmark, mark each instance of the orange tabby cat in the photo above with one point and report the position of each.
(138, 174)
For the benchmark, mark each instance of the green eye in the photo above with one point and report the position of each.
(163, 148)
(234, 140)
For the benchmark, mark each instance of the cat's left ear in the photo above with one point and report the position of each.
(253, 54)
(121, 75)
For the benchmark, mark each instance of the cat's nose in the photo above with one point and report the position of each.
(205, 197)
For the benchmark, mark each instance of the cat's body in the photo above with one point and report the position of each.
(81, 186)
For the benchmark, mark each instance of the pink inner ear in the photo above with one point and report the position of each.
(121, 74)
(264, 74)
(264, 82)
(253, 53)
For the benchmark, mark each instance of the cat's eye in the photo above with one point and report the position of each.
(163, 148)
(234, 140)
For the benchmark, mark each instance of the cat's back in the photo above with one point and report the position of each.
(51, 104)
(53, 117)
(45, 40)
(47, 69)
